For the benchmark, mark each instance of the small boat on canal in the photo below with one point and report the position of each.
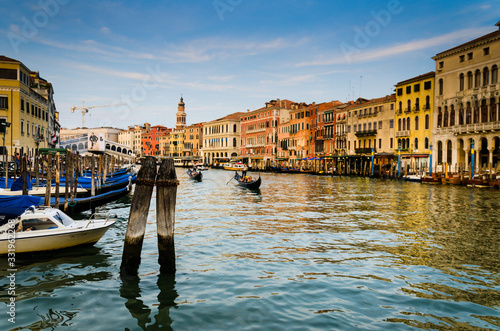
(247, 181)
(195, 174)
(46, 228)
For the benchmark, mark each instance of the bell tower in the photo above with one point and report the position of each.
(181, 116)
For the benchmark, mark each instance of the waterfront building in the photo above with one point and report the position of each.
(26, 102)
(370, 130)
(467, 119)
(300, 133)
(164, 142)
(340, 133)
(194, 140)
(259, 133)
(221, 139)
(323, 128)
(132, 137)
(150, 140)
(413, 120)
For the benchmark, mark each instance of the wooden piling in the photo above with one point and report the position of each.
(166, 195)
(58, 174)
(48, 180)
(92, 176)
(66, 184)
(136, 227)
(24, 172)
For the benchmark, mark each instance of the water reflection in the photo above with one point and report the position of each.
(131, 291)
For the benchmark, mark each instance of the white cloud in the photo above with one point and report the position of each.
(364, 55)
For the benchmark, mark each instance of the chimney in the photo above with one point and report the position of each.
(498, 24)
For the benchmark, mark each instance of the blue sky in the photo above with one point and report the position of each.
(225, 56)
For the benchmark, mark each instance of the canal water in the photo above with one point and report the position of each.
(303, 253)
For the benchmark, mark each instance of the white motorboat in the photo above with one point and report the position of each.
(46, 228)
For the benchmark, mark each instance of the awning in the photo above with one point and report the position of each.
(52, 150)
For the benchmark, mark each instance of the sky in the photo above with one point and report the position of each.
(226, 56)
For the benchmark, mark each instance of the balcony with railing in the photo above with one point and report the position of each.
(470, 128)
(407, 110)
(366, 150)
(256, 130)
(366, 133)
(403, 133)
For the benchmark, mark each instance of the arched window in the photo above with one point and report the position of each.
(426, 142)
(408, 127)
(469, 80)
(428, 102)
(416, 123)
(408, 105)
(415, 144)
(404, 123)
(399, 124)
(486, 76)
(400, 107)
(452, 115)
(494, 74)
(234, 142)
(440, 117)
(440, 86)
(427, 120)
(468, 114)
(445, 119)
(234, 128)
(477, 78)
(462, 81)
(484, 111)
(461, 115)
(417, 104)
(493, 113)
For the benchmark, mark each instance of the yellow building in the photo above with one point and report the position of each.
(414, 116)
(26, 102)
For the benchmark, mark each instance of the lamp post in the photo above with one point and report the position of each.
(3, 128)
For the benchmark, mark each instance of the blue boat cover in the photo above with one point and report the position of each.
(18, 183)
(12, 206)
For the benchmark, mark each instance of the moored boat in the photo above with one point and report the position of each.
(234, 166)
(46, 228)
(432, 179)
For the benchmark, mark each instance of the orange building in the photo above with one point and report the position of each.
(259, 133)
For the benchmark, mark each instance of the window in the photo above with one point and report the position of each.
(416, 88)
(400, 91)
(22, 104)
(391, 142)
(477, 78)
(28, 129)
(486, 51)
(8, 74)
(4, 103)
(441, 65)
(22, 127)
(417, 104)
(380, 143)
(380, 125)
(416, 143)
(392, 106)
(416, 123)
(440, 91)
(462, 82)
(469, 80)
(391, 124)
(461, 58)
(427, 85)
(494, 74)
(408, 89)
(426, 122)
(486, 76)
(469, 56)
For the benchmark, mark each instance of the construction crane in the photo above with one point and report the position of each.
(86, 109)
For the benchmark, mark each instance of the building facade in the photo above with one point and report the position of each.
(26, 103)
(467, 120)
(221, 139)
(414, 118)
(259, 133)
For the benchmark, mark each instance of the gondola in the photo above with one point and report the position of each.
(253, 185)
(195, 175)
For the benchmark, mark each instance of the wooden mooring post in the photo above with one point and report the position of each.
(166, 195)
(136, 227)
